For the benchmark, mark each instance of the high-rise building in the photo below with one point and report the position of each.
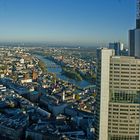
(134, 36)
(118, 97)
(102, 106)
(117, 46)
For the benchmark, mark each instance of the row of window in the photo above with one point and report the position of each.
(123, 128)
(125, 87)
(126, 79)
(125, 72)
(119, 109)
(120, 68)
(131, 65)
(131, 125)
(125, 83)
(128, 106)
(124, 137)
(127, 76)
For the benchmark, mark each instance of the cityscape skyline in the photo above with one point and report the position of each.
(55, 84)
(74, 22)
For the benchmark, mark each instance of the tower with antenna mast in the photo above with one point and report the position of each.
(134, 35)
(138, 15)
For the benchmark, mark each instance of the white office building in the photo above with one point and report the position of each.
(118, 97)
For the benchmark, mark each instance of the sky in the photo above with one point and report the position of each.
(85, 22)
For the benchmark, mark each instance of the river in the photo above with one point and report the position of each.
(54, 68)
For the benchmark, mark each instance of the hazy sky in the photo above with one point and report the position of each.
(69, 21)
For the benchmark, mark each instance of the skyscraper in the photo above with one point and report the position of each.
(118, 97)
(103, 66)
(117, 46)
(134, 36)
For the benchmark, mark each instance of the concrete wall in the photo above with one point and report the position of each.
(104, 93)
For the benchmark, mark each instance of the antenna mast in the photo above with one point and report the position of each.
(138, 9)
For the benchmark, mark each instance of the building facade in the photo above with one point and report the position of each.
(118, 97)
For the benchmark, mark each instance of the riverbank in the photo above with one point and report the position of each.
(74, 73)
(57, 70)
(42, 65)
(71, 73)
